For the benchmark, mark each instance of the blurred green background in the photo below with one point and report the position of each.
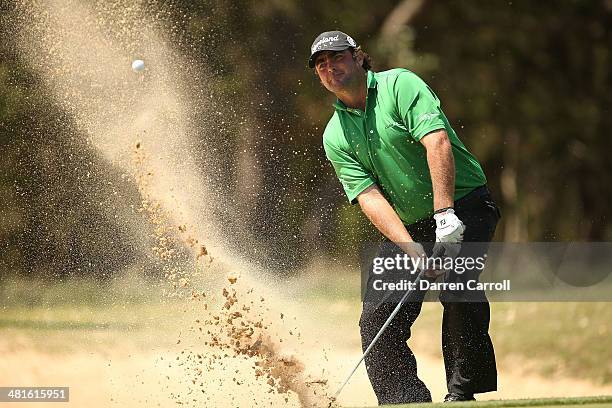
(525, 84)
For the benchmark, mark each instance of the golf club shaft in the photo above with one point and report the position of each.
(380, 332)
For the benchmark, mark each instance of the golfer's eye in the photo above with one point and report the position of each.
(321, 65)
(338, 57)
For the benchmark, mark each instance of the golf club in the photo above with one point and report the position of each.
(414, 292)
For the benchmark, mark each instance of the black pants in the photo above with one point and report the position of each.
(468, 353)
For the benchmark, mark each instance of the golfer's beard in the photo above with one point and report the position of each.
(344, 84)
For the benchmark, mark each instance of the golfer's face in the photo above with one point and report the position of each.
(336, 69)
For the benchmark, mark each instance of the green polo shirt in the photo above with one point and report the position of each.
(381, 145)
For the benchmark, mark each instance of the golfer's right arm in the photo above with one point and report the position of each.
(376, 207)
(354, 176)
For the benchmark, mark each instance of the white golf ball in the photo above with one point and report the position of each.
(138, 65)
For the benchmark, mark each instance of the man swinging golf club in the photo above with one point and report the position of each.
(396, 154)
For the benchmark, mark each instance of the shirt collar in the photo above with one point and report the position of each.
(371, 81)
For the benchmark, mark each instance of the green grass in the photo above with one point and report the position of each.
(63, 317)
(569, 338)
(584, 402)
(37, 292)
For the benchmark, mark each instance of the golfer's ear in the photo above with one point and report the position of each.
(358, 56)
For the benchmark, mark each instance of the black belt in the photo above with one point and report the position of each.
(473, 197)
(476, 193)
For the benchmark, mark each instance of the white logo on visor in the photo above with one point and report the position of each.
(320, 43)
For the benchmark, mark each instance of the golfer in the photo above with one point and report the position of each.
(396, 155)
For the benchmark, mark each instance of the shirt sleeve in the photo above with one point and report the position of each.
(418, 105)
(352, 175)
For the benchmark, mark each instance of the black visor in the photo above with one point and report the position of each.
(330, 41)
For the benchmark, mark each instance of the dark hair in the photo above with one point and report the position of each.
(367, 60)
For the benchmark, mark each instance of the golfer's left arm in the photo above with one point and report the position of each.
(441, 167)
(441, 164)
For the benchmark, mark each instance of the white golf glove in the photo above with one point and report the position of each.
(449, 234)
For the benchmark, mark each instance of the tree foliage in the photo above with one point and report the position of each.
(526, 85)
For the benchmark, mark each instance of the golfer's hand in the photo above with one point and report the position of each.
(449, 234)
(417, 252)
(414, 250)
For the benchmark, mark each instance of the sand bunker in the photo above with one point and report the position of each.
(239, 338)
